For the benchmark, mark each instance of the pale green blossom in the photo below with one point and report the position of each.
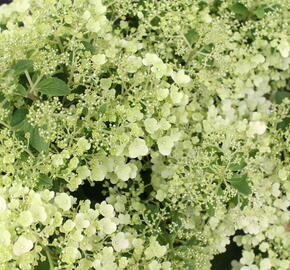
(138, 148)
(22, 246)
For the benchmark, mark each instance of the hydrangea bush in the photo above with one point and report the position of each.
(144, 134)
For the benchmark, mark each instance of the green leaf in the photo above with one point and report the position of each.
(103, 108)
(208, 48)
(239, 9)
(163, 238)
(220, 191)
(210, 210)
(237, 166)
(190, 266)
(20, 89)
(88, 46)
(30, 52)
(45, 181)
(155, 21)
(139, 227)
(18, 116)
(239, 182)
(233, 202)
(24, 156)
(37, 142)
(260, 12)
(23, 128)
(53, 87)
(284, 124)
(193, 241)
(152, 209)
(7, 72)
(177, 218)
(43, 265)
(21, 65)
(192, 36)
(245, 202)
(280, 95)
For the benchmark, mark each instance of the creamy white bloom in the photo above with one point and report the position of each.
(120, 242)
(107, 226)
(162, 93)
(161, 195)
(68, 226)
(98, 172)
(22, 246)
(25, 218)
(165, 145)
(176, 96)
(81, 221)
(265, 264)
(284, 48)
(154, 265)
(180, 77)
(151, 59)
(166, 266)
(97, 264)
(138, 148)
(151, 125)
(93, 26)
(5, 236)
(133, 63)
(83, 144)
(63, 201)
(155, 250)
(83, 172)
(2, 204)
(57, 160)
(283, 174)
(70, 254)
(99, 59)
(276, 189)
(107, 210)
(257, 127)
(38, 212)
(123, 172)
(248, 257)
(258, 59)
(124, 219)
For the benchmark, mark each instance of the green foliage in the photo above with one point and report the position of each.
(22, 65)
(281, 95)
(20, 89)
(53, 87)
(239, 9)
(144, 134)
(44, 181)
(192, 36)
(239, 182)
(37, 141)
(18, 116)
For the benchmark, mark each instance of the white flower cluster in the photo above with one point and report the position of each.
(144, 134)
(82, 231)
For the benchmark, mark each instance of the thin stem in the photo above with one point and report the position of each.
(60, 44)
(31, 94)
(112, 3)
(4, 124)
(51, 266)
(36, 82)
(28, 78)
(186, 41)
